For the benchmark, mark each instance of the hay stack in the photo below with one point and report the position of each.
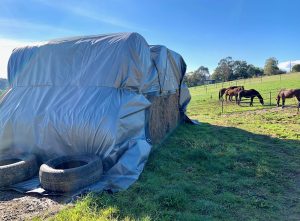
(164, 116)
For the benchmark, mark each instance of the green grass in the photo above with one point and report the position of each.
(238, 166)
(205, 98)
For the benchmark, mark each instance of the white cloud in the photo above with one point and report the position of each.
(101, 18)
(7, 45)
(6, 48)
(286, 65)
(32, 26)
(91, 14)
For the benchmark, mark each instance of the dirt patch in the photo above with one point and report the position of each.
(17, 206)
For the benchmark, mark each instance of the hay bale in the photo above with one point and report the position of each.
(163, 116)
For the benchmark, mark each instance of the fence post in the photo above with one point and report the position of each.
(270, 98)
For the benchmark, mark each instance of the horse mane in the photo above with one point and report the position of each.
(258, 95)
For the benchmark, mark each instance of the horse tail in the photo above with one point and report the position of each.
(221, 93)
(297, 94)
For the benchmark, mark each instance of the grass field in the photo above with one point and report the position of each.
(240, 165)
(285, 123)
(205, 98)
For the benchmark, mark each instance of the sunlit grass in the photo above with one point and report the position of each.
(243, 165)
(205, 102)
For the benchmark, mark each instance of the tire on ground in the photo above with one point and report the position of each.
(18, 168)
(70, 173)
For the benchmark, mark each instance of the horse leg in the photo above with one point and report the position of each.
(251, 102)
(283, 101)
(278, 101)
(226, 96)
(236, 99)
(298, 99)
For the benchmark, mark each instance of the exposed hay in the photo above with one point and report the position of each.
(164, 116)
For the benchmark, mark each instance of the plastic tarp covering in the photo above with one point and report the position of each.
(86, 95)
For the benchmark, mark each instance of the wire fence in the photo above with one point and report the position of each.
(206, 96)
(213, 104)
(248, 82)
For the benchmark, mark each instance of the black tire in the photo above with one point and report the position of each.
(15, 169)
(70, 173)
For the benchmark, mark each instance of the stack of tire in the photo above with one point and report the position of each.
(17, 169)
(62, 174)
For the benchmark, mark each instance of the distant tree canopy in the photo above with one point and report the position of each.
(197, 77)
(229, 69)
(296, 68)
(271, 67)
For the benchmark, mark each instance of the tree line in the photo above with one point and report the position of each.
(229, 70)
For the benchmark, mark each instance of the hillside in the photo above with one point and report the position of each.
(206, 97)
(241, 165)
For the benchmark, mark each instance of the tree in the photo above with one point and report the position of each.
(201, 74)
(240, 69)
(197, 77)
(224, 70)
(228, 69)
(296, 68)
(254, 71)
(271, 67)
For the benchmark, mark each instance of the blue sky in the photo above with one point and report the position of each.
(202, 31)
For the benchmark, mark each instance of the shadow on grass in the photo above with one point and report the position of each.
(211, 172)
(247, 104)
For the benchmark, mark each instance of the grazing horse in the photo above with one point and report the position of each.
(222, 91)
(250, 94)
(288, 93)
(233, 92)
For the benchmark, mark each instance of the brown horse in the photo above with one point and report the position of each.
(222, 91)
(250, 94)
(233, 92)
(288, 93)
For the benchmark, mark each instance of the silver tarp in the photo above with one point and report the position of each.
(87, 95)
